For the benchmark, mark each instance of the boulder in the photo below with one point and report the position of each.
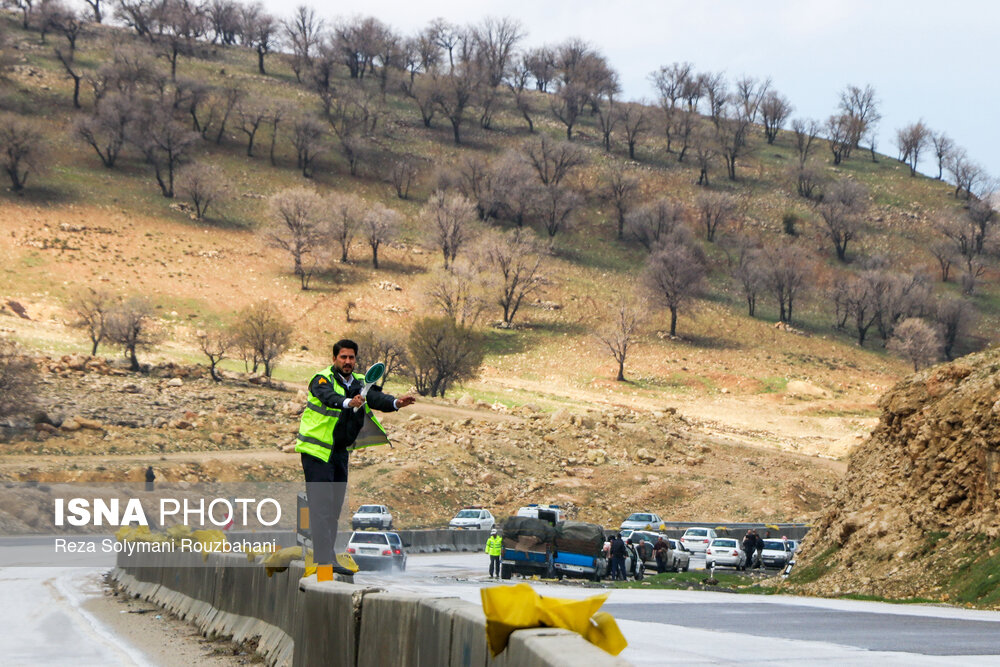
(71, 425)
(175, 382)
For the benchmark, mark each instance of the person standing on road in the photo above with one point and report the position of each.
(661, 552)
(618, 552)
(331, 427)
(749, 547)
(150, 478)
(494, 546)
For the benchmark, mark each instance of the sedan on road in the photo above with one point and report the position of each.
(697, 539)
(776, 553)
(725, 551)
(377, 551)
(642, 521)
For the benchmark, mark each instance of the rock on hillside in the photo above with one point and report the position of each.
(920, 504)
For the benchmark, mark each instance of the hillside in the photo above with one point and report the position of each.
(916, 514)
(801, 388)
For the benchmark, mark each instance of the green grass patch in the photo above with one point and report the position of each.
(816, 568)
(977, 580)
(773, 385)
(879, 598)
(729, 581)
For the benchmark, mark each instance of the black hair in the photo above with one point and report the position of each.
(342, 343)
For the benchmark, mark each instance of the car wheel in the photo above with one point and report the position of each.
(389, 527)
(685, 568)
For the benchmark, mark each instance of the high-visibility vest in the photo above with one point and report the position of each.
(494, 545)
(318, 421)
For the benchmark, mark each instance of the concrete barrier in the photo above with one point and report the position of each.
(469, 540)
(302, 622)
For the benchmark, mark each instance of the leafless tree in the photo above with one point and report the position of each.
(608, 118)
(513, 265)
(619, 331)
(204, 185)
(657, 223)
(808, 180)
(806, 130)
(841, 210)
(732, 131)
(277, 114)
(309, 139)
(107, 130)
(861, 107)
(259, 31)
(215, 345)
(774, 110)
(840, 135)
(352, 115)
(552, 160)
(558, 205)
(671, 83)
(297, 227)
(130, 73)
(18, 379)
(517, 81)
(541, 64)
(131, 325)
(495, 39)
(251, 116)
(461, 293)
(424, 92)
(518, 194)
(26, 7)
(706, 151)
(91, 308)
(787, 269)
(72, 71)
(451, 217)
(442, 353)
(475, 179)
(379, 344)
(749, 271)
(966, 174)
(23, 149)
(262, 335)
(174, 28)
(715, 211)
(379, 226)
(620, 188)
(674, 274)
(224, 20)
(944, 252)
(911, 141)
(943, 146)
(303, 33)
(165, 144)
(96, 6)
(635, 123)
(716, 91)
(955, 318)
(582, 76)
(749, 93)
(968, 240)
(345, 211)
(916, 341)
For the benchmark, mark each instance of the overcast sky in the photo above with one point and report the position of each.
(929, 60)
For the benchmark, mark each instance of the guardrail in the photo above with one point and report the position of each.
(302, 622)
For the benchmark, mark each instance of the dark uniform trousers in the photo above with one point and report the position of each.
(326, 489)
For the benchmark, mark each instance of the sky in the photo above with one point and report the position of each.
(926, 60)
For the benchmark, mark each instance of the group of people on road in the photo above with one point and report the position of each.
(753, 545)
(618, 550)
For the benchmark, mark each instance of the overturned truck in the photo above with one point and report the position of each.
(528, 548)
(579, 550)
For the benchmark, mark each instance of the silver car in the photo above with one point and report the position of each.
(377, 551)
(642, 521)
(473, 518)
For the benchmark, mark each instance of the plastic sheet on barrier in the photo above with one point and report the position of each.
(510, 608)
(279, 561)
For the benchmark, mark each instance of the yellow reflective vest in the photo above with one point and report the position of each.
(494, 545)
(318, 421)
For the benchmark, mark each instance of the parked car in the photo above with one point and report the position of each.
(650, 538)
(550, 513)
(473, 517)
(776, 553)
(642, 521)
(697, 539)
(377, 551)
(630, 564)
(681, 559)
(372, 516)
(725, 551)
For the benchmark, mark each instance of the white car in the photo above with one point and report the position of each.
(725, 551)
(473, 518)
(544, 512)
(377, 551)
(776, 553)
(697, 539)
(642, 521)
(372, 516)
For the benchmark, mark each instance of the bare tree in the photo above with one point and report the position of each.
(715, 211)
(380, 225)
(732, 131)
(582, 76)
(259, 30)
(513, 263)
(303, 32)
(671, 82)
(557, 206)
(841, 209)
(96, 8)
(966, 174)
(968, 240)
(748, 271)
(517, 81)
(674, 274)
(808, 182)
(943, 146)
(425, 93)
(706, 151)
(716, 90)
(224, 19)
(806, 131)
(131, 325)
(402, 174)
(262, 335)
(620, 331)
(657, 223)
(861, 107)
(787, 268)
(174, 28)
(608, 118)
(380, 344)
(18, 379)
(454, 93)
(296, 227)
(165, 144)
(840, 135)
(944, 252)
(620, 188)
(460, 293)
(107, 130)
(91, 308)
(495, 39)
(215, 345)
(309, 139)
(442, 353)
(552, 160)
(911, 141)
(518, 194)
(75, 74)
(541, 64)
(917, 341)
(450, 217)
(954, 318)
(345, 211)
(204, 185)
(774, 110)
(23, 149)
(251, 116)
(635, 123)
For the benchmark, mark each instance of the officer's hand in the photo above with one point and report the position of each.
(403, 401)
(357, 401)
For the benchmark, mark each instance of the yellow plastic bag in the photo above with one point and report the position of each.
(278, 561)
(510, 608)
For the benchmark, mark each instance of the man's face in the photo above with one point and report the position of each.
(344, 361)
